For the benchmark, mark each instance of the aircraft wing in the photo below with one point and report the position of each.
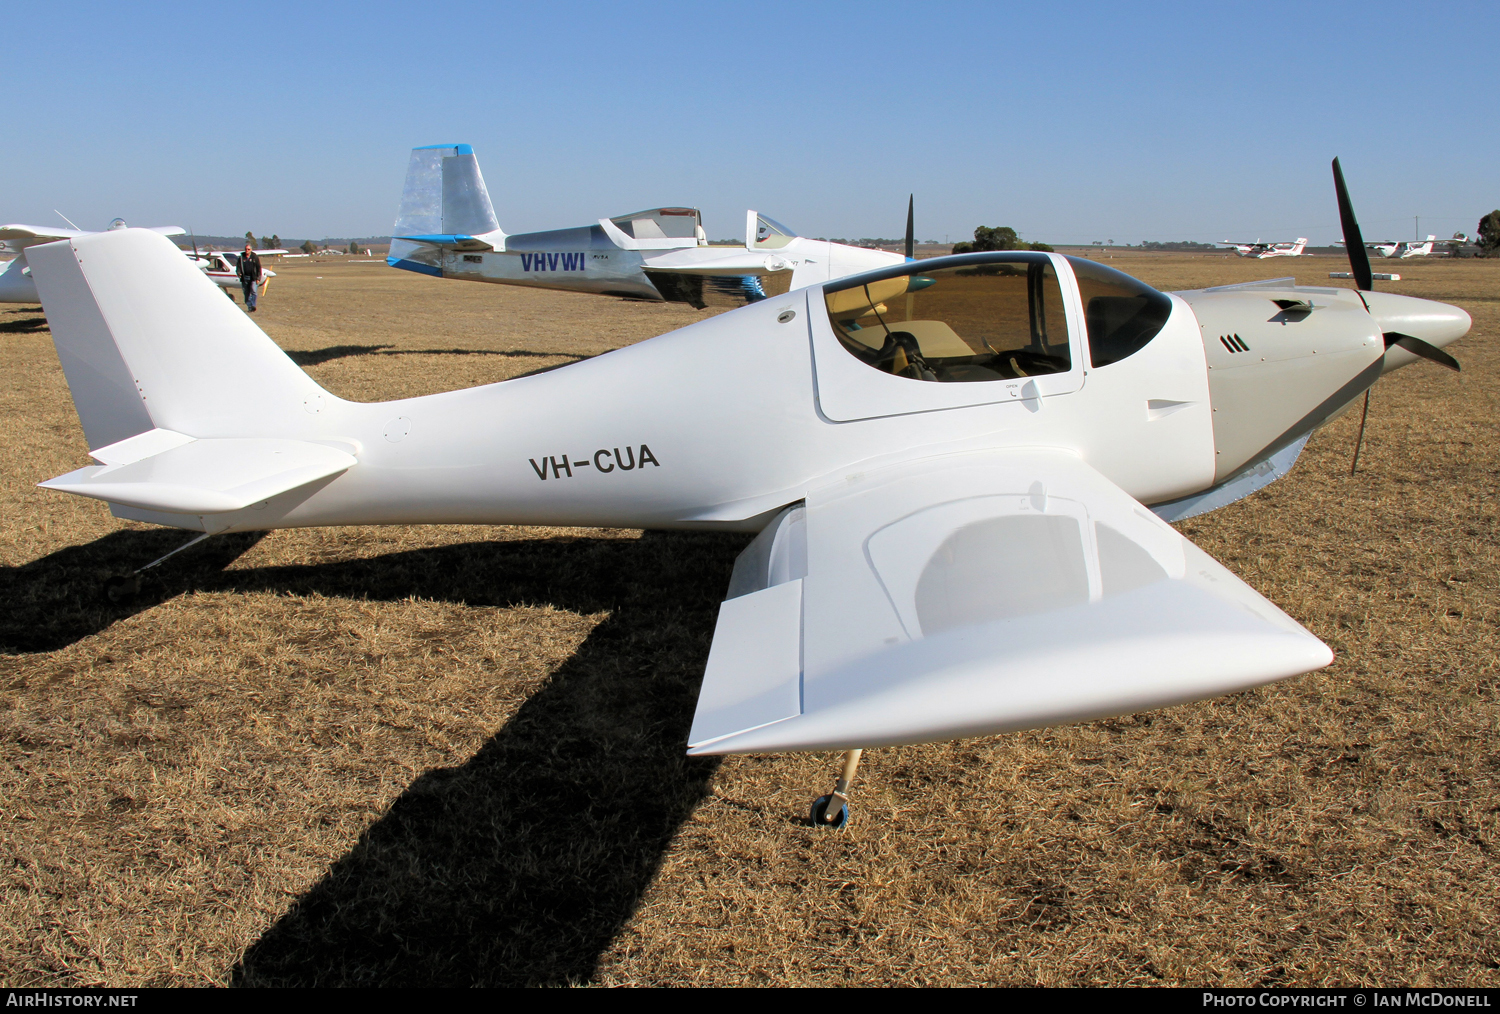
(971, 594)
(707, 260)
(31, 234)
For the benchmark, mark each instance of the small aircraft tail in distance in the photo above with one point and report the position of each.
(444, 205)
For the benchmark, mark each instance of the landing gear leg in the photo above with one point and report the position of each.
(832, 810)
(122, 586)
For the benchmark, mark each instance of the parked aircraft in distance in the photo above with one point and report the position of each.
(446, 227)
(961, 469)
(1404, 248)
(222, 266)
(1264, 250)
(16, 285)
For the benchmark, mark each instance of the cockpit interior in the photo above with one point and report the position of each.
(770, 234)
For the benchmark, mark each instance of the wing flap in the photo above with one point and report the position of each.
(754, 669)
(209, 476)
(989, 592)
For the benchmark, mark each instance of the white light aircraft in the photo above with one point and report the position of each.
(222, 267)
(16, 285)
(1405, 248)
(446, 227)
(961, 469)
(1263, 250)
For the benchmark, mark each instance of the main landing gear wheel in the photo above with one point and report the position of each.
(821, 818)
(832, 810)
(122, 587)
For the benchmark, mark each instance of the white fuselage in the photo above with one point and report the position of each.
(16, 285)
(724, 422)
(586, 259)
(675, 431)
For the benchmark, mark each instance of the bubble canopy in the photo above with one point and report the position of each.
(981, 317)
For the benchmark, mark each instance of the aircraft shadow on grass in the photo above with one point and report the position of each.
(32, 323)
(522, 864)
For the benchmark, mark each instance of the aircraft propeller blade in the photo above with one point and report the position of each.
(1354, 243)
(911, 234)
(1418, 347)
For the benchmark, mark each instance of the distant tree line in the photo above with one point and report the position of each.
(1181, 246)
(1002, 238)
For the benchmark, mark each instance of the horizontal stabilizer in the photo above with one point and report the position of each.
(451, 242)
(973, 594)
(200, 476)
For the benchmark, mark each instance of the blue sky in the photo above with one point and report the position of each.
(1070, 122)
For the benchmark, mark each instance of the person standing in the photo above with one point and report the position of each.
(249, 272)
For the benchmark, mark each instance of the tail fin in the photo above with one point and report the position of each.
(444, 198)
(147, 342)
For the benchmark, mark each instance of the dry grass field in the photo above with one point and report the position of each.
(454, 756)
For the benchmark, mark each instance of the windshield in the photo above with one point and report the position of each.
(1122, 314)
(973, 322)
(771, 234)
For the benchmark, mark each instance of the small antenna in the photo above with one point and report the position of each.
(65, 218)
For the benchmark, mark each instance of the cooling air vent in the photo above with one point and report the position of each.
(1234, 343)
